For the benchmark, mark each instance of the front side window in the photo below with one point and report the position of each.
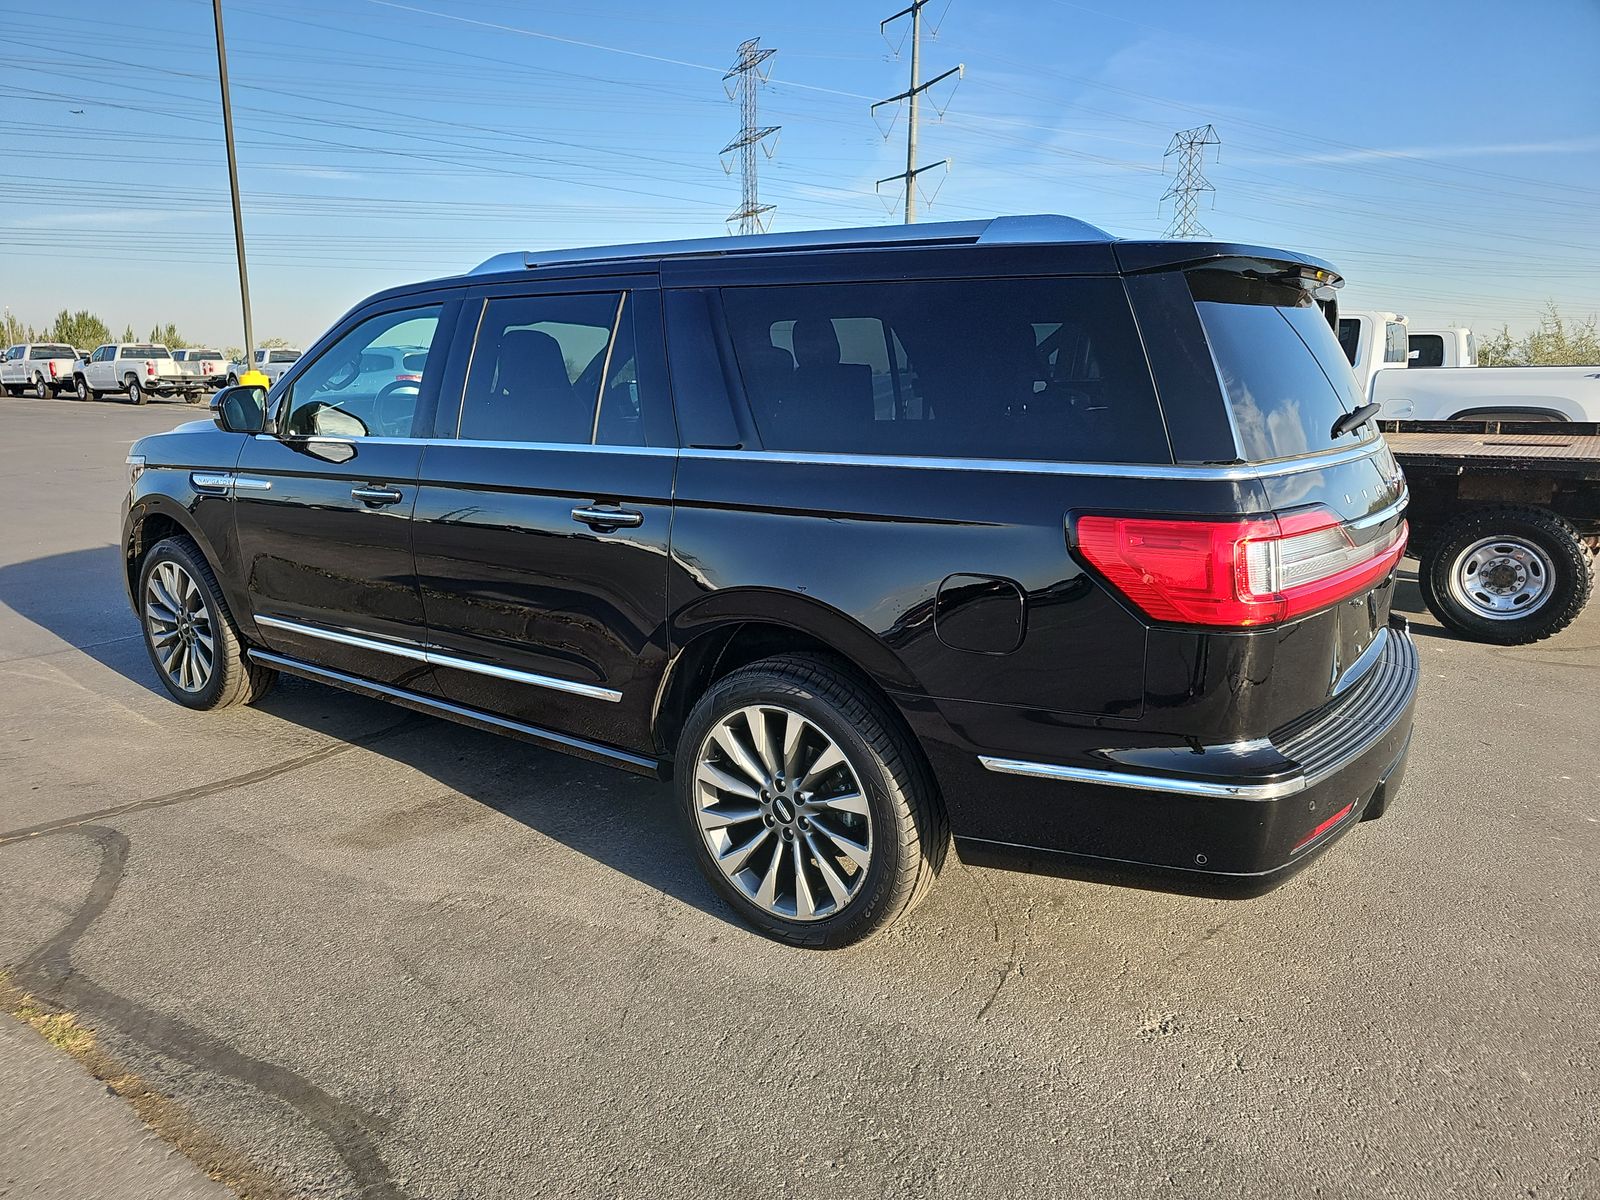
(363, 385)
(1030, 369)
(558, 369)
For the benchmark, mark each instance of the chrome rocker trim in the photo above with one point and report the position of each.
(434, 657)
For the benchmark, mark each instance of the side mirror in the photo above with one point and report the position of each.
(240, 409)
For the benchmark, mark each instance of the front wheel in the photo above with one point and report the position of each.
(81, 387)
(1507, 574)
(189, 633)
(811, 810)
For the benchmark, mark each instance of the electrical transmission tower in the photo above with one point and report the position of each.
(1186, 189)
(911, 96)
(742, 83)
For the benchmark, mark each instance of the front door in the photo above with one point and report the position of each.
(324, 500)
(545, 510)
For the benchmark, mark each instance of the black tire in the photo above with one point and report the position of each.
(81, 387)
(910, 829)
(234, 678)
(1561, 560)
(41, 389)
(136, 394)
(233, 380)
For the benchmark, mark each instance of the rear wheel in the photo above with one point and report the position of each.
(41, 389)
(189, 633)
(811, 811)
(1507, 574)
(136, 394)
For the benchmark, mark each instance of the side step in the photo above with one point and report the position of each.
(548, 738)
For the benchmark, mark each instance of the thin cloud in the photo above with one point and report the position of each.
(1486, 150)
(106, 216)
(318, 172)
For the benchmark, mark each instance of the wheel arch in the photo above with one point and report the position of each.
(729, 630)
(151, 520)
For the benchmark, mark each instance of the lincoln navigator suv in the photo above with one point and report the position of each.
(1076, 553)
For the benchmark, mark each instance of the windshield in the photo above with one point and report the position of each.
(1282, 368)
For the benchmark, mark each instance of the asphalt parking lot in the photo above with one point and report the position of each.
(350, 951)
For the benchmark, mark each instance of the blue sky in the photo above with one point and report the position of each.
(1445, 157)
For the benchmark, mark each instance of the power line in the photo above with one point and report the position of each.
(1190, 145)
(743, 83)
(911, 96)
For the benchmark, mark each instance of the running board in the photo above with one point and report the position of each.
(548, 738)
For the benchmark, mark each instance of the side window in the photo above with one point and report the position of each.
(558, 369)
(367, 383)
(1033, 369)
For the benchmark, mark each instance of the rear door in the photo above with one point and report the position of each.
(324, 501)
(545, 510)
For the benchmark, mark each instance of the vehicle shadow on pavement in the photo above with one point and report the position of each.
(619, 820)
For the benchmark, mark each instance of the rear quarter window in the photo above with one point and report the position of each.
(1282, 369)
(1029, 369)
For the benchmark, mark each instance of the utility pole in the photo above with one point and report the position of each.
(742, 82)
(238, 217)
(911, 96)
(1191, 182)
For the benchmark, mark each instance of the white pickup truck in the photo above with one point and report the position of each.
(46, 367)
(208, 366)
(271, 363)
(140, 369)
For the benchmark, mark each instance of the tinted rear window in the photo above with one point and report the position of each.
(51, 352)
(1285, 376)
(145, 351)
(1036, 369)
(284, 356)
(1429, 348)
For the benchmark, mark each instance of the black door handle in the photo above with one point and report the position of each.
(608, 517)
(376, 495)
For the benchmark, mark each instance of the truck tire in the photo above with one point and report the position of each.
(41, 389)
(809, 808)
(1508, 574)
(233, 380)
(190, 635)
(81, 386)
(136, 394)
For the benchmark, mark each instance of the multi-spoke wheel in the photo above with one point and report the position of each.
(189, 633)
(812, 810)
(1506, 573)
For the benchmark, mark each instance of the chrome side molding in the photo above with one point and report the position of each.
(1147, 783)
(435, 656)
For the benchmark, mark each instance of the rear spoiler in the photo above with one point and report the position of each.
(1313, 274)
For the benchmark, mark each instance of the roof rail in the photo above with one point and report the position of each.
(994, 231)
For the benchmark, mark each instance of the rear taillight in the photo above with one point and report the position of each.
(1235, 573)
(53, 374)
(1322, 828)
(149, 368)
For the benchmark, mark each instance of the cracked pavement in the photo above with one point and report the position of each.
(361, 952)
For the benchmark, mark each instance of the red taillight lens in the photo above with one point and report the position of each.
(53, 369)
(149, 368)
(1235, 573)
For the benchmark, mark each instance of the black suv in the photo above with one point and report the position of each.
(1078, 549)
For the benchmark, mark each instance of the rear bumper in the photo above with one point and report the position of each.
(1258, 814)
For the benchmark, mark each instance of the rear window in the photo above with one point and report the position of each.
(51, 352)
(1429, 348)
(1285, 377)
(284, 356)
(145, 351)
(1034, 369)
(205, 356)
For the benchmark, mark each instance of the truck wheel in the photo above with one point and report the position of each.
(233, 381)
(41, 389)
(82, 386)
(191, 637)
(809, 808)
(135, 392)
(1508, 574)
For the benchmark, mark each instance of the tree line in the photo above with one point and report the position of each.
(1555, 343)
(85, 330)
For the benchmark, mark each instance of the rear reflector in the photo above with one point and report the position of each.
(1323, 828)
(1235, 573)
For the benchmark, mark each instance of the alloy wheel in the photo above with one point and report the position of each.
(180, 627)
(782, 812)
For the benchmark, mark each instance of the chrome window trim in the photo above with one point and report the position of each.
(649, 451)
(434, 657)
(1147, 783)
(1242, 471)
